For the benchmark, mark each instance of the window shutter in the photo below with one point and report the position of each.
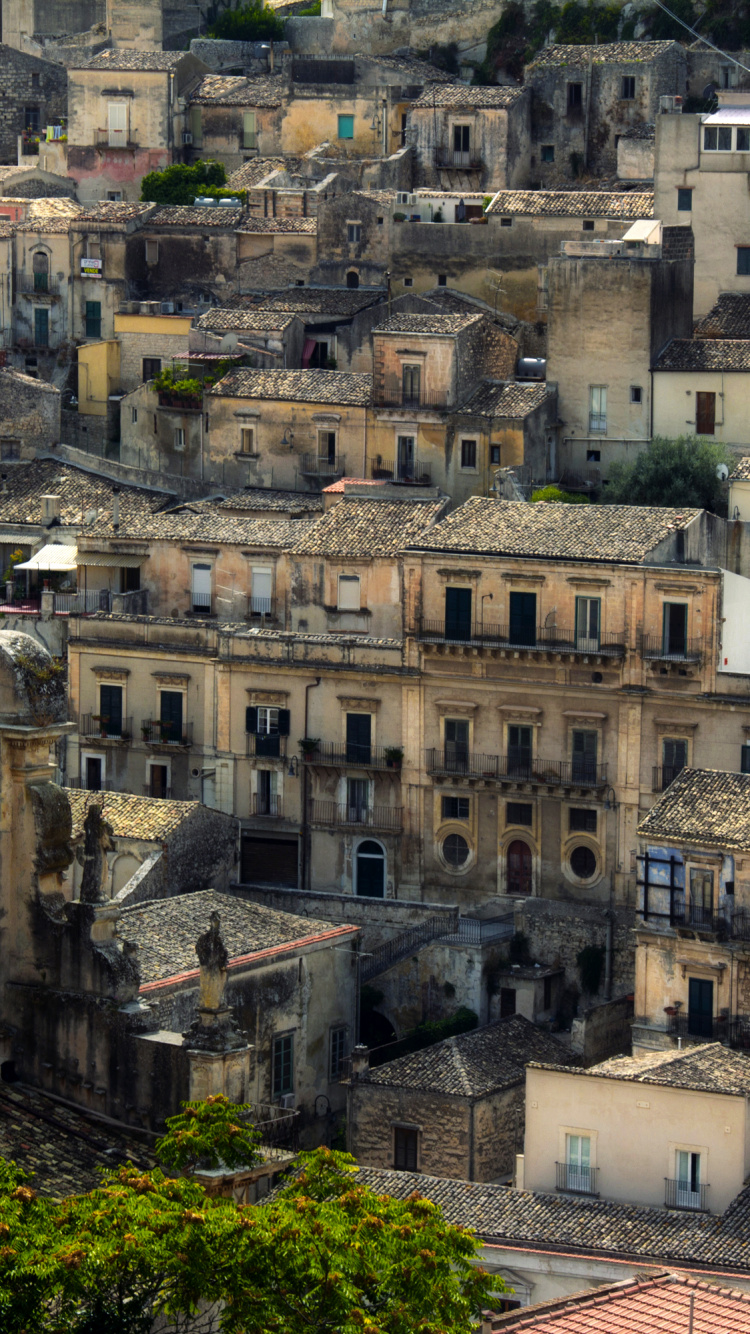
(251, 720)
(283, 722)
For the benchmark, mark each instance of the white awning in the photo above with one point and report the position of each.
(729, 116)
(56, 556)
(109, 559)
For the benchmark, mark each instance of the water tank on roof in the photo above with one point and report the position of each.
(204, 201)
(532, 368)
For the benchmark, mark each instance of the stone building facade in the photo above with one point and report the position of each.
(34, 95)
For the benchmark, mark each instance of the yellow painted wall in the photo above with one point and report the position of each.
(98, 368)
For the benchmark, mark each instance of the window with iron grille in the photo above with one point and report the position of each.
(581, 821)
(283, 1065)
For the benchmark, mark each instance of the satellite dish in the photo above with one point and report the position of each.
(709, 91)
(229, 343)
(722, 471)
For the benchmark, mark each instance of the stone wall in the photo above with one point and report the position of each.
(603, 1031)
(380, 919)
(26, 81)
(251, 56)
(558, 931)
(29, 412)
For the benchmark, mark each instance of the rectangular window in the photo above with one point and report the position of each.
(151, 367)
(354, 232)
(584, 756)
(717, 138)
(358, 738)
(201, 587)
(357, 800)
(522, 616)
(117, 113)
(636, 393)
(41, 326)
(114, 196)
(575, 96)
(442, 280)
(405, 1146)
(588, 624)
(627, 87)
(349, 592)
(745, 758)
(743, 260)
(581, 821)
(170, 715)
(411, 380)
(469, 454)
(267, 725)
(705, 413)
(456, 744)
(674, 629)
(578, 1163)
(684, 200)
(93, 319)
(519, 751)
(688, 1179)
(461, 145)
(458, 613)
(32, 119)
(494, 453)
(133, 415)
(506, 222)
(327, 447)
(701, 892)
(593, 456)
(152, 252)
(337, 1054)
(179, 437)
(588, 225)
(261, 591)
(673, 758)
(519, 812)
(598, 407)
(283, 1065)
(743, 141)
(548, 152)
(454, 808)
(110, 710)
(346, 127)
(248, 130)
(247, 439)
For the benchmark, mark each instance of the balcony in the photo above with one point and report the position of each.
(451, 159)
(656, 648)
(133, 603)
(263, 609)
(270, 808)
(180, 402)
(352, 756)
(84, 602)
(37, 284)
(101, 728)
(79, 785)
(545, 639)
(387, 818)
(663, 775)
(394, 395)
(731, 1030)
(114, 139)
(157, 793)
(516, 769)
(322, 465)
(685, 1195)
(576, 1180)
(388, 470)
(265, 745)
(157, 733)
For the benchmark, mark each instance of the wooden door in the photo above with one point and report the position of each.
(705, 413)
(519, 868)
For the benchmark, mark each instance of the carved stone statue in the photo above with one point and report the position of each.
(213, 959)
(98, 840)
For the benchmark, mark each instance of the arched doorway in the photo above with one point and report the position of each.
(371, 869)
(352, 278)
(519, 868)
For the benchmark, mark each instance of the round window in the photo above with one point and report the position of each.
(456, 850)
(583, 862)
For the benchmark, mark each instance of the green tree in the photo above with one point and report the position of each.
(179, 184)
(671, 472)
(326, 1255)
(253, 22)
(554, 495)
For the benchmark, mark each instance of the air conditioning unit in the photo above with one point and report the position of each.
(287, 1101)
(187, 137)
(167, 307)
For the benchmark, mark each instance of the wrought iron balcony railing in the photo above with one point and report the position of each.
(154, 791)
(353, 755)
(320, 465)
(685, 1195)
(105, 729)
(271, 808)
(660, 649)
(158, 733)
(517, 768)
(663, 775)
(544, 639)
(265, 745)
(576, 1179)
(363, 817)
(409, 474)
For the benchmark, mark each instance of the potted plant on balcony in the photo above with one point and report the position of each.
(146, 731)
(394, 757)
(308, 745)
(102, 719)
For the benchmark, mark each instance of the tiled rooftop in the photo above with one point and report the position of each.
(60, 1147)
(496, 399)
(705, 354)
(602, 54)
(250, 173)
(729, 318)
(741, 473)
(225, 90)
(130, 817)
(628, 205)
(531, 1219)
(303, 226)
(260, 498)
(361, 526)
(135, 60)
(324, 300)
(197, 215)
(709, 1068)
(228, 317)
(165, 930)
(703, 806)
(602, 533)
(465, 95)
(665, 1304)
(85, 497)
(427, 324)
(336, 387)
(473, 1064)
(203, 521)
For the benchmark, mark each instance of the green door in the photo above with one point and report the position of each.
(171, 715)
(41, 326)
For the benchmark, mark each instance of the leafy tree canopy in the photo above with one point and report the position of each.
(326, 1255)
(253, 22)
(180, 184)
(671, 472)
(554, 495)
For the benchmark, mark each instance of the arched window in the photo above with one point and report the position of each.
(352, 278)
(371, 869)
(519, 868)
(40, 265)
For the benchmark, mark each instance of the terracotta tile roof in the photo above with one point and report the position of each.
(224, 90)
(54, 224)
(705, 354)
(602, 54)
(703, 805)
(85, 497)
(427, 324)
(111, 211)
(665, 1304)
(602, 533)
(131, 817)
(63, 1148)
(596, 1227)
(324, 300)
(742, 471)
(135, 60)
(259, 498)
(343, 482)
(203, 521)
(629, 205)
(499, 399)
(364, 526)
(250, 173)
(709, 1068)
(473, 1064)
(165, 930)
(197, 215)
(336, 387)
(304, 226)
(228, 317)
(465, 95)
(729, 318)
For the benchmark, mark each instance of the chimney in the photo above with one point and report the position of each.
(115, 507)
(50, 509)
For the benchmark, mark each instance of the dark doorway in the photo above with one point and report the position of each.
(519, 868)
(675, 629)
(352, 279)
(523, 618)
(170, 716)
(358, 738)
(371, 870)
(458, 613)
(507, 1001)
(94, 766)
(700, 1007)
